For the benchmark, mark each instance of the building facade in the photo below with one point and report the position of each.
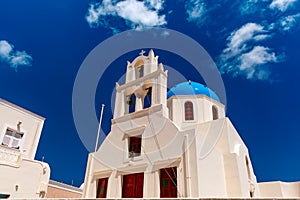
(21, 176)
(175, 144)
(60, 190)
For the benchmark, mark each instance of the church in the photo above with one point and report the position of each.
(175, 143)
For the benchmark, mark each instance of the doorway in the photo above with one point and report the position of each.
(168, 182)
(133, 185)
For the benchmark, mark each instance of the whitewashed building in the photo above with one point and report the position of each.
(20, 175)
(176, 144)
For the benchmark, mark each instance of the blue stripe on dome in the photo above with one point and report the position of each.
(191, 88)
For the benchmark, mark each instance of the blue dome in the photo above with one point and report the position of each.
(191, 88)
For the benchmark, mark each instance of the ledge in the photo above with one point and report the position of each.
(138, 114)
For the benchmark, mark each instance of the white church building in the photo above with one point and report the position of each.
(175, 144)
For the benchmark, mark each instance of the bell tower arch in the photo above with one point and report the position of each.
(145, 85)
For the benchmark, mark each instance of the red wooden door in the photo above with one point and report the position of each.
(102, 188)
(133, 185)
(139, 185)
(168, 182)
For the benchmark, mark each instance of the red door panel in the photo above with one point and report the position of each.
(139, 183)
(102, 188)
(133, 185)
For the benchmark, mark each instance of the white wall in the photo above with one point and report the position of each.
(279, 189)
(25, 181)
(202, 106)
(32, 124)
(21, 175)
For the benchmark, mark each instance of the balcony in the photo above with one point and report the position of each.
(9, 156)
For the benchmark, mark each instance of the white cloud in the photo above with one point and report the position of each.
(285, 23)
(12, 57)
(137, 14)
(195, 10)
(238, 39)
(156, 4)
(252, 60)
(244, 56)
(289, 22)
(5, 49)
(282, 5)
(252, 6)
(246, 5)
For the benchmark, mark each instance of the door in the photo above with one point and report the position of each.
(133, 185)
(102, 188)
(168, 182)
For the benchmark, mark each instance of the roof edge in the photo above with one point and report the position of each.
(20, 109)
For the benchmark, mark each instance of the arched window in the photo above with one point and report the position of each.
(131, 103)
(147, 99)
(188, 110)
(139, 69)
(215, 113)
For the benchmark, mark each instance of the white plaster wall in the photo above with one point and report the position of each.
(207, 109)
(232, 177)
(30, 177)
(202, 109)
(212, 176)
(238, 151)
(31, 125)
(290, 189)
(157, 133)
(222, 159)
(191, 165)
(21, 175)
(270, 189)
(279, 189)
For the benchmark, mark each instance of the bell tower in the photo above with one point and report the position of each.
(145, 86)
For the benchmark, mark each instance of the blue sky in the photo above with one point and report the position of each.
(254, 44)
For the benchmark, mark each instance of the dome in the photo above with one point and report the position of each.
(191, 88)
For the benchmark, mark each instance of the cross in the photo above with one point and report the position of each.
(142, 52)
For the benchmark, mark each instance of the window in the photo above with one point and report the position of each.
(135, 144)
(131, 103)
(147, 99)
(102, 188)
(188, 110)
(215, 113)
(168, 182)
(139, 71)
(4, 196)
(12, 138)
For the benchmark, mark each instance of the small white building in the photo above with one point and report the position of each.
(176, 144)
(21, 176)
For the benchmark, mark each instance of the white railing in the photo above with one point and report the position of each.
(9, 155)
